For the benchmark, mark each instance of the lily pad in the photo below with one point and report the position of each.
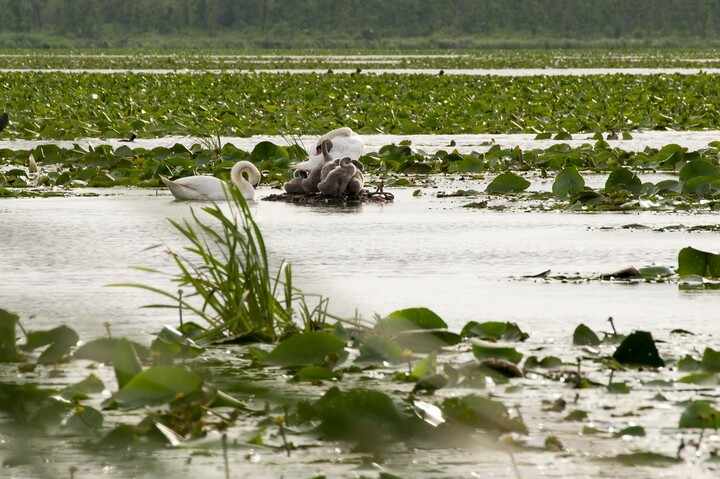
(638, 349)
(700, 414)
(304, 349)
(157, 385)
(508, 182)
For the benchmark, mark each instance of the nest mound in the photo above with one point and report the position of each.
(319, 199)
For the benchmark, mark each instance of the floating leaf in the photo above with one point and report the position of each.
(90, 385)
(481, 412)
(365, 416)
(491, 352)
(692, 261)
(82, 421)
(101, 350)
(125, 362)
(710, 360)
(700, 414)
(645, 459)
(639, 349)
(508, 182)
(9, 352)
(377, 349)
(622, 179)
(409, 319)
(304, 349)
(568, 182)
(584, 336)
(60, 339)
(157, 385)
(314, 373)
(494, 330)
(698, 168)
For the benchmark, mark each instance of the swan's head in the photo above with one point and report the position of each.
(322, 155)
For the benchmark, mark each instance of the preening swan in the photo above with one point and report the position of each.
(210, 188)
(345, 143)
(337, 180)
(310, 185)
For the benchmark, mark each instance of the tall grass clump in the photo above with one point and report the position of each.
(225, 279)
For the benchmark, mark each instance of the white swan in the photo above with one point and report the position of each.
(345, 143)
(310, 184)
(203, 187)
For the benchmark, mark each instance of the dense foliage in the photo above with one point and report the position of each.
(68, 106)
(367, 23)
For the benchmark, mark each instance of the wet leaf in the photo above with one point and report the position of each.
(710, 360)
(548, 362)
(494, 331)
(304, 349)
(90, 385)
(157, 385)
(584, 336)
(622, 179)
(377, 349)
(82, 421)
(638, 349)
(700, 414)
(481, 412)
(693, 261)
(507, 182)
(492, 352)
(409, 319)
(645, 459)
(101, 350)
(59, 339)
(125, 362)
(9, 352)
(314, 373)
(367, 417)
(171, 343)
(698, 168)
(568, 182)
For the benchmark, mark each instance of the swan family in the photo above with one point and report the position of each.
(333, 168)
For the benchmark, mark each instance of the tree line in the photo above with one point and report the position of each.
(364, 23)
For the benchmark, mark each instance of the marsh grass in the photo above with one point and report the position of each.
(225, 279)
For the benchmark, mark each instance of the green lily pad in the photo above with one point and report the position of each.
(694, 261)
(59, 339)
(700, 414)
(491, 352)
(568, 182)
(157, 385)
(9, 352)
(304, 349)
(481, 412)
(508, 182)
(584, 336)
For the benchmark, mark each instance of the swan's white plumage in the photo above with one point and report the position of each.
(211, 188)
(345, 142)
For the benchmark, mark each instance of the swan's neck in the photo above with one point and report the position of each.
(246, 186)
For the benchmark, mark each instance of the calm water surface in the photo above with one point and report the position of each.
(59, 253)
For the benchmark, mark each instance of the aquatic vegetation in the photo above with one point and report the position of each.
(118, 105)
(231, 286)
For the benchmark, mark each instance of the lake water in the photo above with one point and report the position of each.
(58, 253)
